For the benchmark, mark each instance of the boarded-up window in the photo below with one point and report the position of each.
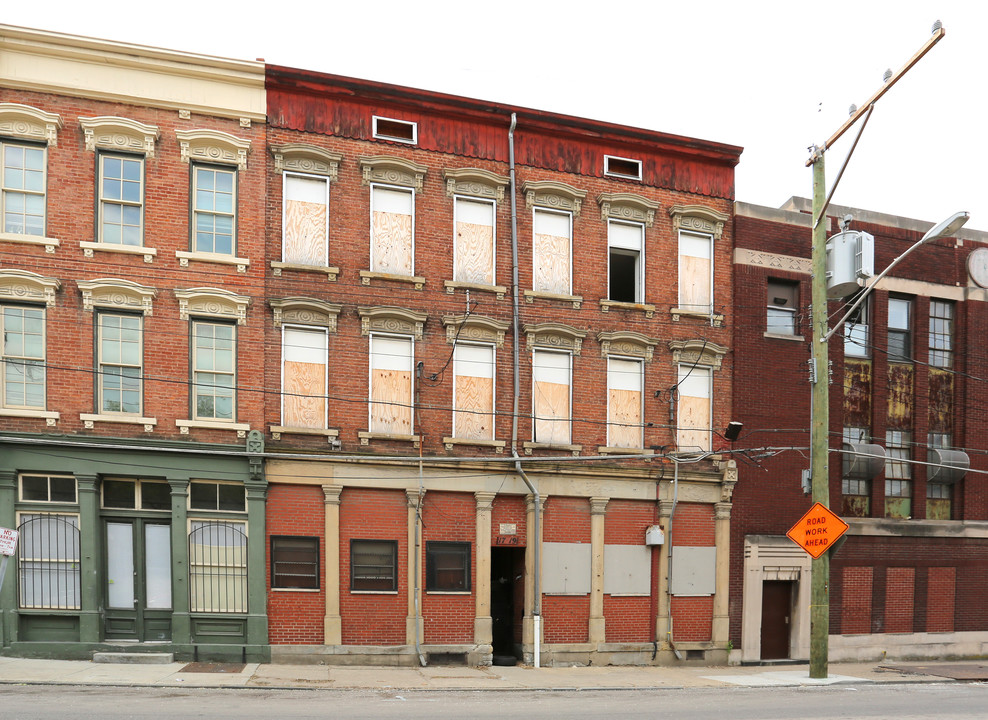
(551, 396)
(473, 368)
(625, 243)
(693, 427)
(306, 220)
(624, 403)
(391, 230)
(474, 241)
(304, 378)
(695, 272)
(552, 265)
(391, 385)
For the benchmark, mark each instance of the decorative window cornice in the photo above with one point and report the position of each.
(26, 286)
(116, 294)
(626, 342)
(305, 311)
(698, 352)
(698, 218)
(476, 328)
(627, 206)
(476, 182)
(391, 320)
(212, 302)
(29, 123)
(554, 335)
(213, 146)
(393, 171)
(300, 157)
(552, 194)
(117, 133)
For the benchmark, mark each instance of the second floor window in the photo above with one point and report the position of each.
(626, 278)
(900, 337)
(22, 189)
(22, 355)
(473, 245)
(391, 385)
(783, 297)
(696, 269)
(121, 353)
(214, 376)
(392, 230)
(551, 396)
(305, 220)
(624, 403)
(695, 408)
(551, 252)
(121, 200)
(214, 214)
(473, 391)
(304, 377)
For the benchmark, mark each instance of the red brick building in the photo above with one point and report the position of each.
(907, 413)
(435, 432)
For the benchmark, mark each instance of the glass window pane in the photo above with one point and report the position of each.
(202, 496)
(231, 497)
(158, 566)
(119, 494)
(155, 496)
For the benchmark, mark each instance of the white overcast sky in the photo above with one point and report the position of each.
(773, 77)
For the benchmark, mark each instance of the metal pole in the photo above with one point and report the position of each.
(820, 427)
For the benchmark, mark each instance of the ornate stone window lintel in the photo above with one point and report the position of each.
(213, 146)
(475, 328)
(626, 342)
(391, 320)
(698, 218)
(305, 311)
(29, 123)
(117, 133)
(699, 352)
(303, 158)
(392, 171)
(212, 302)
(552, 194)
(475, 182)
(554, 335)
(116, 294)
(23, 285)
(627, 206)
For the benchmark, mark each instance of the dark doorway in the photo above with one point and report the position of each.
(507, 602)
(776, 619)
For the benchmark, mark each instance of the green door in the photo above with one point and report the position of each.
(138, 580)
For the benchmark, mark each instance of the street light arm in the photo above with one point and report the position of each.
(946, 228)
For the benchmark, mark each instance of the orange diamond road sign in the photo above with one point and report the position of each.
(817, 530)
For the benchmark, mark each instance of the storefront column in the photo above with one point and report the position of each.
(662, 623)
(722, 538)
(181, 622)
(257, 605)
(414, 620)
(91, 556)
(8, 592)
(332, 623)
(528, 622)
(483, 625)
(598, 506)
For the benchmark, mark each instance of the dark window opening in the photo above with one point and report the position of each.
(217, 496)
(624, 276)
(447, 566)
(400, 130)
(623, 167)
(295, 562)
(374, 565)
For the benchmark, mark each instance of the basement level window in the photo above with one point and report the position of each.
(395, 130)
(622, 167)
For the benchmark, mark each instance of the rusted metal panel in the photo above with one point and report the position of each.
(938, 509)
(900, 398)
(898, 507)
(855, 506)
(941, 401)
(857, 393)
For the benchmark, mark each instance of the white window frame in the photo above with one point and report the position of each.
(373, 200)
(23, 360)
(6, 191)
(569, 419)
(536, 211)
(308, 329)
(196, 323)
(941, 333)
(641, 398)
(685, 373)
(457, 199)
(625, 249)
(370, 380)
(284, 209)
(709, 310)
(102, 364)
(610, 173)
(381, 136)
(233, 215)
(103, 202)
(457, 363)
(780, 311)
(905, 332)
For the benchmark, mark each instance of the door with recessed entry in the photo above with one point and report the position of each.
(776, 619)
(138, 588)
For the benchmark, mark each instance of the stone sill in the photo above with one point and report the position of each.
(610, 450)
(498, 445)
(88, 419)
(606, 305)
(577, 300)
(278, 430)
(373, 592)
(529, 446)
(331, 273)
(49, 243)
(184, 425)
(367, 275)
(452, 285)
(461, 593)
(677, 313)
(780, 336)
(28, 413)
(301, 590)
(184, 256)
(366, 437)
(149, 253)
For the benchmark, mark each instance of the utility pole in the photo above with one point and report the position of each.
(820, 375)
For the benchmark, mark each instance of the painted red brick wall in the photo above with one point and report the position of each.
(630, 619)
(449, 517)
(856, 605)
(900, 586)
(940, 588)
(373, 618)
(296, 616)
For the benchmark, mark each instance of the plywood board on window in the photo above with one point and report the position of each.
(391, 394)
(305, 390)
(475, 396)
(625, 415)
(392, 243)
(552, 264)
(305, 239)
(694, 423)
(694, 283)
(474, 253)
(551, 405)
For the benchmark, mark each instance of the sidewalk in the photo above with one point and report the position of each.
(332, 677)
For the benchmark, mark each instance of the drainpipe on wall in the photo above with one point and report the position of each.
(672, 515)
(537, 574)
(418, 516)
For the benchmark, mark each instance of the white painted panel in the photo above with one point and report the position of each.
(473, 360)
(305, 189)
(552, 223)
(305, 346)
(392, 201)
(566, 568)
(694, 245)
(552, 367)
(694, 570)
(391, 354)
(624, 235)
(627, 569)
(475, 212)
(694, 381)
(624, 374)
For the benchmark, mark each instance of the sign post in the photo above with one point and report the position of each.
(818, 530)
(8, 546)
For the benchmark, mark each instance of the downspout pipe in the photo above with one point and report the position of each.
(536, 549)
(672, 515)
(418, 518)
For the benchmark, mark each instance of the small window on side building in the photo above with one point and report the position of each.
(783, 299)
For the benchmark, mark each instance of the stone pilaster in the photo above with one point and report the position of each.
(598, 508)
(483, 624)
(332, 623)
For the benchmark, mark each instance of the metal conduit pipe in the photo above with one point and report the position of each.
(672, 515)
(537, 574)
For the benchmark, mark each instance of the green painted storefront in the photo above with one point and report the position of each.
(134, 546)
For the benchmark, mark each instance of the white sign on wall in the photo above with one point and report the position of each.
(8, 541)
